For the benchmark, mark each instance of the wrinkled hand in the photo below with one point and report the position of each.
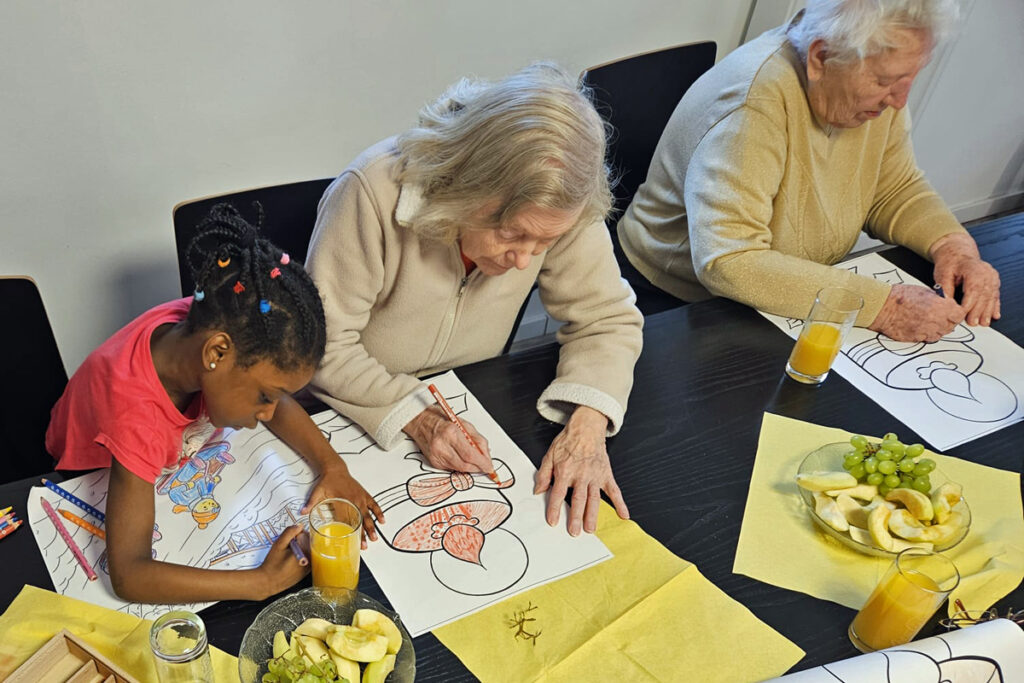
(578, 459)
(280, 569)
(914, 313)
(957, 262)
(336, 482)
(445, 446)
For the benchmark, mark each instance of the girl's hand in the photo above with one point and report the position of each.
(445, 446)
(336, 482)
(280, 569)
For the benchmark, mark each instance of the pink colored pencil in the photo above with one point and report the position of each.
(7, 519)
(72, 546)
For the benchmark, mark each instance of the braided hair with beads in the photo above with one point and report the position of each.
(250, 289)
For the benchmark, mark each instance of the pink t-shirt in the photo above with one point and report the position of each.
(116, 405)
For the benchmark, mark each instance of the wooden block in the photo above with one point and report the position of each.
(65, 658)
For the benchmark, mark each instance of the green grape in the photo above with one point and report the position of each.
(892, 481)
(906, 465)
(884, 454)
(919, 471)
(329, 668)
(890, 436)
(308, 677)
(925, 462)
(852, 459)
(275, 666)
(883, 489)
(858, 471)
(922, 484)
(875, 478)
(870, 464)
(891, 445)
(886, 466)
(914, 450)
(859, 442)
(270, 678)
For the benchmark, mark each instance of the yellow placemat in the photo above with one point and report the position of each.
(644, 615)
(36, 615)
(780, 545)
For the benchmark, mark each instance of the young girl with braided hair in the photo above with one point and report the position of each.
(148, 399)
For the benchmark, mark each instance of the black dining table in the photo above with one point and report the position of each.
(683, 459)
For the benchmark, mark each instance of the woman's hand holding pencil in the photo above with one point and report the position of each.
(449, 443)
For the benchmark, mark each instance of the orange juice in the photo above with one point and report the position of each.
(815, 349)
(897, 609)
(335, 555)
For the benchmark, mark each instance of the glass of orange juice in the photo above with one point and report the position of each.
(832, 315)
(910, 591)
(335, 533)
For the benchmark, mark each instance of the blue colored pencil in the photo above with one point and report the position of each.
(74, 500)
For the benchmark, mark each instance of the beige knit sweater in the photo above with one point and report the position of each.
(399, 307)
(750, 197)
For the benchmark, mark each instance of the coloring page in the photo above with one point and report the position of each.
(990, 652)
(453, 543)
(967, 384)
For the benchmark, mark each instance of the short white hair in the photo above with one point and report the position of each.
(856, 29)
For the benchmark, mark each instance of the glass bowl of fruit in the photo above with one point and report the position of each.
(881, 497)
(324, 636)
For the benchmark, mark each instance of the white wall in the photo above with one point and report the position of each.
(114, 111)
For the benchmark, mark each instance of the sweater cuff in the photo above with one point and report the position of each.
(389, 433)
(560, 399)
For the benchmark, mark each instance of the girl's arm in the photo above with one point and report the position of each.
(296, 428)
(137, 577)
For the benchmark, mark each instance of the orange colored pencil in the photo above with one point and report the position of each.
(75, 519)
(492, 475)
(9, 528)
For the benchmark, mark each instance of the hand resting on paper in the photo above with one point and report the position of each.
(958, 262)
(445, 446)
(578, 459)
(913, 313)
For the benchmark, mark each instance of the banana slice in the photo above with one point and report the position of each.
(824, 481)
(373, 621)
(916, 502)
(356, 644)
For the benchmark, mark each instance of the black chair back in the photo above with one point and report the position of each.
(34, 377)
(637, 95)
(290, 212)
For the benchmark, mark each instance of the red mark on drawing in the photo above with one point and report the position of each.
(464, 542)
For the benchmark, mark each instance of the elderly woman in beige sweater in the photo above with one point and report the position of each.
(426, 247)
(776, 159)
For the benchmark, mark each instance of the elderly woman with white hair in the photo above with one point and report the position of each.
(426, 247)
(776, 159)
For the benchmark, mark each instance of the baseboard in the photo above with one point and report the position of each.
(982, 208)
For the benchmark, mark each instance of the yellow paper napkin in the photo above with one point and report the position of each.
(36, 615)
(780, 545)
(644, 615)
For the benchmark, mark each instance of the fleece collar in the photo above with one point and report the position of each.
(410, 199)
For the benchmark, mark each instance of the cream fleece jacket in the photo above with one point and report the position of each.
(399, 307)
(750, 197)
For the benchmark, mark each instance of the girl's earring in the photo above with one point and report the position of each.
(212, 365)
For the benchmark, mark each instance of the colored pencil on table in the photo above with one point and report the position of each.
(297, 551)
(9, 529)
(7, 519)
(72, 546)
(75, 519)
(71, 498)
(492, 475)
(6, 510)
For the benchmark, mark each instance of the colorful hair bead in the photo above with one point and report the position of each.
(264, 306)
(239, 287)
(199, 295)
(285, 258)
(224, 262)
(276, 272)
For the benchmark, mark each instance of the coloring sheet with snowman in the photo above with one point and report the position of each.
(989, 652)
(452, 544)
(967, 384)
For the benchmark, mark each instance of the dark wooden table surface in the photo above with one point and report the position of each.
(684, 457)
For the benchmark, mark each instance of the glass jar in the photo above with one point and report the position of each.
(180, 650)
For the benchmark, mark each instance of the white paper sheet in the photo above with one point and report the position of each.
(467, 543)
(990, 652)
(967, 384)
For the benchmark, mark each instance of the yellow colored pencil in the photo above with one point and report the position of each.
(75, 519)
